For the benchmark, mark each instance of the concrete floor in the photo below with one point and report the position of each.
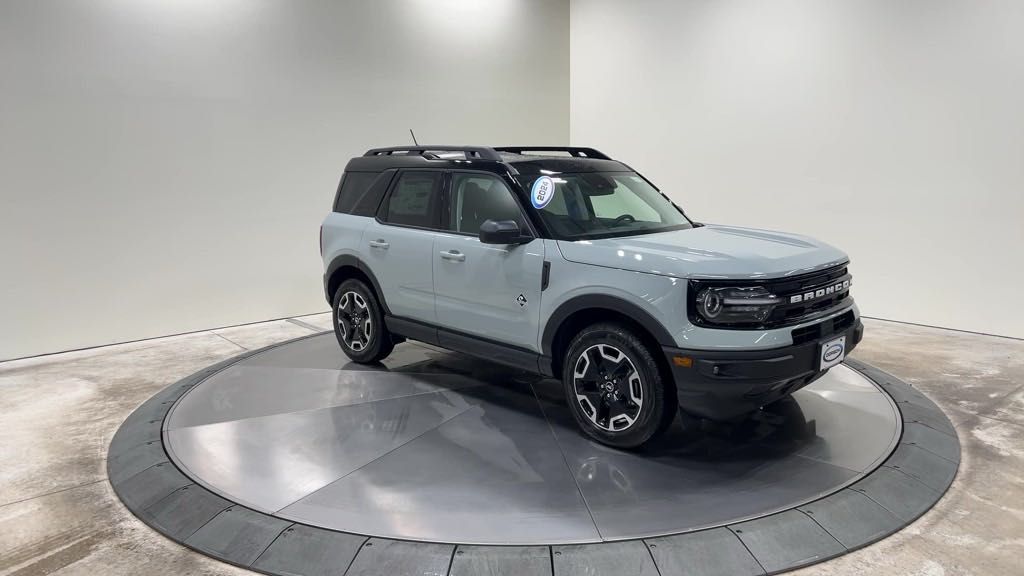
(58, 514)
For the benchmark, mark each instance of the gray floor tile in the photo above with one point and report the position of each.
(608, 559)
(715, 552)
(904, 393)
(929, 416)
(932, 440)
(134, 460)
(501, 561)
(310, 552)
(134, 432)
(924, 466)
(379, 557)
(852, 518)
(896, 492)
(237, 535)
(182, 512)
(151, 485)
(787, 540)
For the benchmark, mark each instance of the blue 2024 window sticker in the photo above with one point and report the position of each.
(542, 192)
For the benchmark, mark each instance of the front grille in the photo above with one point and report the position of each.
(794, 313)
(821, 330)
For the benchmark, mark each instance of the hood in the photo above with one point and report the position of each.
(707, 252)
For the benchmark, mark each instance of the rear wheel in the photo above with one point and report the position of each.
(615, 388)
(359, 323)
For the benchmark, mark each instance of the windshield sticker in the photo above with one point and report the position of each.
(542, 192)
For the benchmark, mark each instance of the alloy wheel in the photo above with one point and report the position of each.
(608, 387)
(355, 321)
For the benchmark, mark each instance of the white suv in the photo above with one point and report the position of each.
(564, 262)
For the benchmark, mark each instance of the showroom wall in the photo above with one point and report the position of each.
(893, 129)
(165, 164)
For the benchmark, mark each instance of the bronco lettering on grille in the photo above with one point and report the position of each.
(820, 292)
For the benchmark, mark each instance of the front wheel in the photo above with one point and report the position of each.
(359, 323)
(615, 388)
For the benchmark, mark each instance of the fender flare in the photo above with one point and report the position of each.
(607, 302)
(354, 262)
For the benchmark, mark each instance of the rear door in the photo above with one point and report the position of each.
(399, 243)
(486, 290)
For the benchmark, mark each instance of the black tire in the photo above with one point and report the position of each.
(356, 312)
(610, 384)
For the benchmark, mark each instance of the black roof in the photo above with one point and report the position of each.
(516, 159)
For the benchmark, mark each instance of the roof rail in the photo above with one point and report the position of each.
(474, 152)
(574, 151)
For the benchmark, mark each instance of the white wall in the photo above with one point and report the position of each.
(892, 129)
(165, 164)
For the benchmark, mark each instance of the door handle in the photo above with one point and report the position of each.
(453, 255)
(379, 244)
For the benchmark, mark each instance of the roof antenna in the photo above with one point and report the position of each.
(413, 134)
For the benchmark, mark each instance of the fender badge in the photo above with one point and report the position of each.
(522, 300)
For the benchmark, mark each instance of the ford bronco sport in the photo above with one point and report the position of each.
(567, 263)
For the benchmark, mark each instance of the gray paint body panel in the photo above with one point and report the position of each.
(403, 265)
(708, 252)
(478, 295)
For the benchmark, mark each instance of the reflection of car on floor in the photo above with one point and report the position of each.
(564, 262)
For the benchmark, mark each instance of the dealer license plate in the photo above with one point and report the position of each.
(833, 352)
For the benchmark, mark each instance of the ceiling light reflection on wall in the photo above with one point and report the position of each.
(466, 19)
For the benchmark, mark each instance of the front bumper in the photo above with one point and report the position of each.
(727, 384)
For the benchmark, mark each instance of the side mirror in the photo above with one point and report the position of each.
(502, 232)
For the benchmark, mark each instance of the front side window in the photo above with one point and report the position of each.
(606, 204)
(476, 198)
(414, 199)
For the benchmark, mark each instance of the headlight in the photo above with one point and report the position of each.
(729, 305)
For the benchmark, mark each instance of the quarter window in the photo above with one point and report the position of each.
(413, 200)
(354, 186)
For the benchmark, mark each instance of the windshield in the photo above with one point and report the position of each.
(600, 205)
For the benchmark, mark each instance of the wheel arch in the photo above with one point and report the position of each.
(348, 266)
(579, 312)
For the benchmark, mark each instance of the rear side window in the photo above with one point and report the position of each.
(414, 200)
(354, 186)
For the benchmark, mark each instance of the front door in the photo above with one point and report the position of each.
(487, 290)
(399, 244)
